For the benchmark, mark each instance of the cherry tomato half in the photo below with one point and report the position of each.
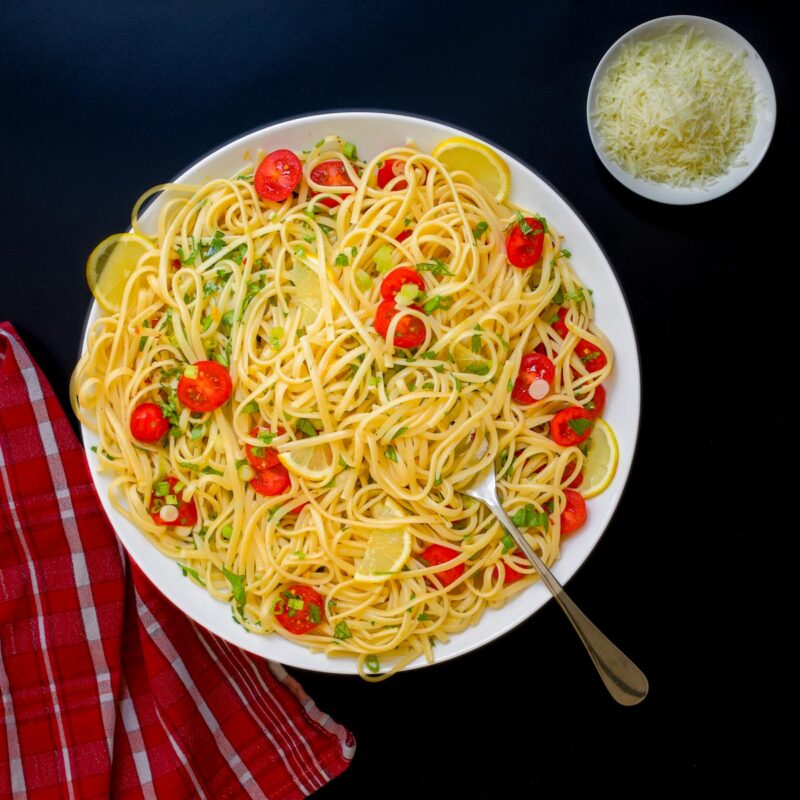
(331, 173)
(187, 512)
(410, 331)
(574, 513)
(597, 404)
(436, 554)
(593, 357)
(524, 249)
(571, 426)
(511, 575)
(534, 366)
(209, 388)
(271, 481)
(299, 620)
(568, 472)
(397, 279)
(560, 327)
(262, 457)
(403, 235)
(391, 168)
(278, 175)
(148, 423)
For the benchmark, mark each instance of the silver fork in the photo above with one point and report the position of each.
(623, 679)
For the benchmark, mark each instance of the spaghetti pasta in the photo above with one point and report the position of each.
(377, 438)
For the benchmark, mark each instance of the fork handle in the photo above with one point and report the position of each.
(625, 682)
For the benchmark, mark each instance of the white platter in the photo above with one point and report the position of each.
(372, 132)
(752, 152)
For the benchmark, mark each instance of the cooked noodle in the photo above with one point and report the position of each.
(314, 355)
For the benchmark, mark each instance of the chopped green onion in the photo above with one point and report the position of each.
(190, 371)
(250, 408)
(189, 465)
(480, 229)
(197, 433)
(424, 617)
(478, 368)
(407, 294)
(341, 631)
(476, 340)
(162, 489)
(372, 663)
(350, 151)
(314, 613)
(363, 280)
(209, 471)
(390, 453)
(341, 260)
(398, 432)
(383, 258)
(306, 426)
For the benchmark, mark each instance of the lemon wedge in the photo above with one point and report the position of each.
(111, 264)
(601, 462)
(312, 463)
(308, 294)
(387, 551)
(480, 161)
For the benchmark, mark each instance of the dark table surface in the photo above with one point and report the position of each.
(103, 100)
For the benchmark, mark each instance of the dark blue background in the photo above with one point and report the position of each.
(102, 100)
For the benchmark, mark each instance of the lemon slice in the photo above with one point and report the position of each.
(308, 294)
(601, 462)
(387, 551)
(313, 463)
(111, 264)
(480, 161)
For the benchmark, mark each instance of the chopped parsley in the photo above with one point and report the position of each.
(398, 432)
(237, 587)
(342, 260)
(391, 453)
(350, 151)
(372, 663)
(478, 368)
(476, 339)
(435, 267)
(580, 425)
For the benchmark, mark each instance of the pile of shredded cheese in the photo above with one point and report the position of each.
(676, 109)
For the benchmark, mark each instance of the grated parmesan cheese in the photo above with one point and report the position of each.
(676, 109)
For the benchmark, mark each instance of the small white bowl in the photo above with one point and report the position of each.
(752, 152)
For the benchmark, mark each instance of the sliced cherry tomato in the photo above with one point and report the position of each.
(574, 513)
(175, 263)
(436, 554)
(571, 426)
(299, 620)
(524, 249)
(298, 509)
(262, 457)
(187, 512)
(577, 480)
(397, 279)
(331, 173)
(410, 331)
(560, 327)
(534, 366)
(209, 389)
(148, 423)
(403, 235)
(391, 168)
(272, 481)
(597, 404)
(511, 575)
(277, 175)
(593, 357)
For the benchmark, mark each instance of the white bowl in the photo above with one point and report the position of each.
(373, 132)
(752, 152)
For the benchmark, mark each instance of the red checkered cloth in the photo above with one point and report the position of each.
(106, 689)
